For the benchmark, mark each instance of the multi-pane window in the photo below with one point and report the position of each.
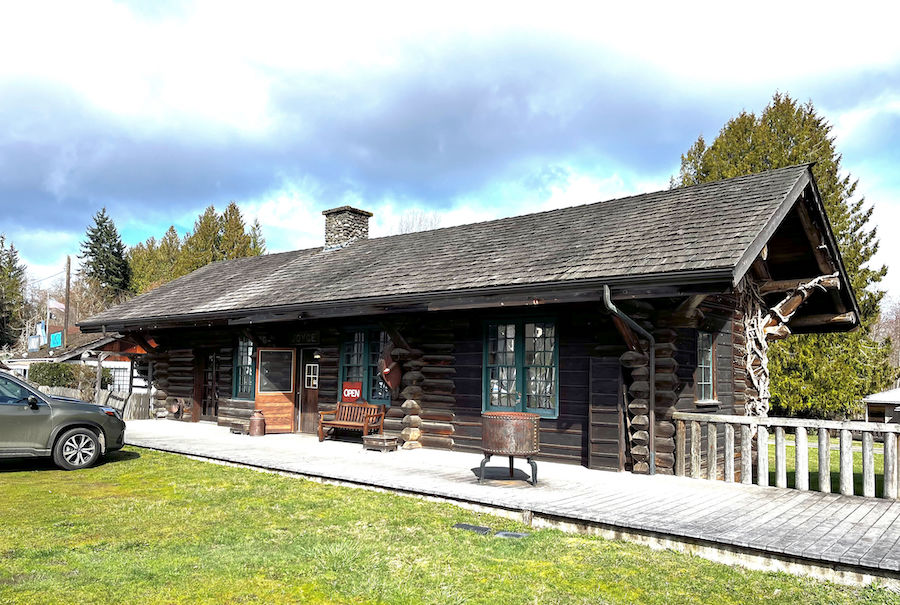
(360, 353)
(119, 379)
(521, 367)
(311, 376)
(705, 367)
(244, 370)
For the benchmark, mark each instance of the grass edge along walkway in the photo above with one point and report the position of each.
(153, 527)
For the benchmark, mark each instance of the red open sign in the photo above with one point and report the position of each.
(351, 391)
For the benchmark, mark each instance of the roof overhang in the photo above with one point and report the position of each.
(673, 284)
(806, 183)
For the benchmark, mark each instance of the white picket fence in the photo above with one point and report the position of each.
(134, 406)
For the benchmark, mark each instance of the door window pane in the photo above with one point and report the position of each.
(276, 371)
(311, 376)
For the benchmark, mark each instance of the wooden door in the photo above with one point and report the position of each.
(308, 409)
(275, 386)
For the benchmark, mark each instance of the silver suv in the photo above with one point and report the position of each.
(75, 433)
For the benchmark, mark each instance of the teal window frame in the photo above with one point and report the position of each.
(520, 366)
(371, 346)
(236, 371)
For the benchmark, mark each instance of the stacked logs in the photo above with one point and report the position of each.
(160, 363)
(438, 386)
(179, 383)
(637, 362)
(667, 383)
(411, 423)
(425, 416)
(638, 409)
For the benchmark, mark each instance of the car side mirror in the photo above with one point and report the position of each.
(33, 401)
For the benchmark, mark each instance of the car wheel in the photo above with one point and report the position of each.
(77, 448)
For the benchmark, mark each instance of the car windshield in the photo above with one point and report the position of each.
(10, 392)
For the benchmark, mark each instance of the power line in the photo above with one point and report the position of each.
(36, 281)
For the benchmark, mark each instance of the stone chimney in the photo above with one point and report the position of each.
(345, 224)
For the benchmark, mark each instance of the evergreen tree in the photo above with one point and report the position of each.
(153, 262)
(145, 265)
(257, 241)
(235, 241)
(103, 258)
(203, 245)
(12, 294)
(822, 375)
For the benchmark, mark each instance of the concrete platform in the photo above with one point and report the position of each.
(847, 539)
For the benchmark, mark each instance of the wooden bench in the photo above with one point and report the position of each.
(358, 416)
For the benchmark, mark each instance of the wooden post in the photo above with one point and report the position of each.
(801, 459)
(868, 465)
(780, 458)
(762, 456)
(890, 465)
(130, 375)
(695, 449)
(680, 447)
(824, 461)
(746, 455)
(712, 438)
(99, 378)
(729, 453)
(846, 462)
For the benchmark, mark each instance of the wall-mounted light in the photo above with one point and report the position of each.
(317, 354)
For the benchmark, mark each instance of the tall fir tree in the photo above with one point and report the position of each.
(235, 241)
(203, 245)
(824, 375)
(103, 257)
(214, 237)
(257, 241)
(12, 294)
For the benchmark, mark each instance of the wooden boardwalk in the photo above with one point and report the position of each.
(848, 537)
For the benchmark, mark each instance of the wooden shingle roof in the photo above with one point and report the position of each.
(709, 228)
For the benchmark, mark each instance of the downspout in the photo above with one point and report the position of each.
(651, 400)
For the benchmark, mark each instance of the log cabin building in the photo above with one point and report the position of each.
(602, 318)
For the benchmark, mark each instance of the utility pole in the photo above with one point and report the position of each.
(66, 320)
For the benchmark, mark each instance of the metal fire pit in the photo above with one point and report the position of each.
(510, 434)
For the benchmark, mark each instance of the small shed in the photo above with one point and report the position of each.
(883, 406)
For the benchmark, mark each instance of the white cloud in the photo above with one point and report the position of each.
(216, 62)
(851, 126)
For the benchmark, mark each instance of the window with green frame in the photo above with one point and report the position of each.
(521, 367)
(360, 352)
(244, 370)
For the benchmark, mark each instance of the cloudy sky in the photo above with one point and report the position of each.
(472, 111)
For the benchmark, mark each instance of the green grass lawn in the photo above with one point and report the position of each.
(147, 527)
(835, 468)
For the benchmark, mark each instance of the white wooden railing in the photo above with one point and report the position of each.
(750, 427)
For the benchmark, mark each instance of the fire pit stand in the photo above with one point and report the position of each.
(510, 434)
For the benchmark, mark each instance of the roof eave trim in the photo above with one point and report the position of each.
(846, 286)
(716, 275)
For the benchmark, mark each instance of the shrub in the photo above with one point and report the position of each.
(68, 375)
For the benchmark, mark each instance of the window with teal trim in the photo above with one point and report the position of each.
(360, 352)
(521, 367)
(245, 370)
